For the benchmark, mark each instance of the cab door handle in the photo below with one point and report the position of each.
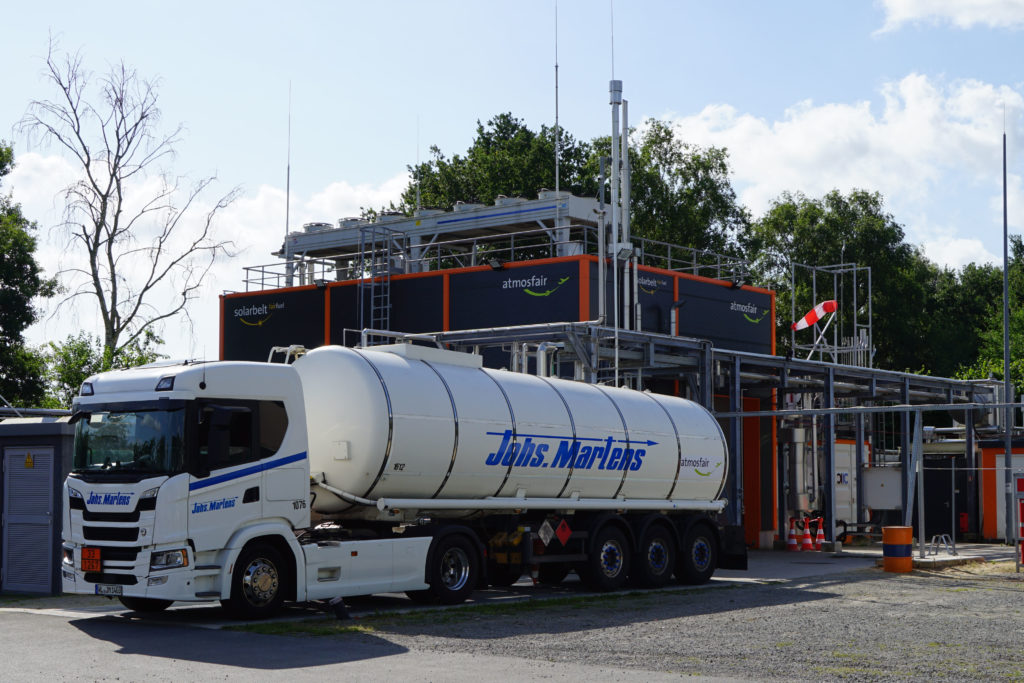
(251, 495)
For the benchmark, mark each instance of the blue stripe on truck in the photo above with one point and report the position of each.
(237, 474)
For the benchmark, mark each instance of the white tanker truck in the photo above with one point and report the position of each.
(425, 472)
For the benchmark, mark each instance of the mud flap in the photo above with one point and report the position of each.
(733, 551)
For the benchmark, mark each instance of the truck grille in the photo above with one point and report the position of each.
(110, 516)
(110, 533)
(115, 554)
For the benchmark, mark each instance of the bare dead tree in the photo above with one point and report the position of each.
(147, 257)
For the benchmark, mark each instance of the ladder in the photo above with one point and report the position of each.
(381, 249)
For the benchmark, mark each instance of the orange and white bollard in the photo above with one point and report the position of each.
(791, 544)
(806, 542)
(819, 538)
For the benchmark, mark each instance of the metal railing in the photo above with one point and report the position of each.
(526, 245)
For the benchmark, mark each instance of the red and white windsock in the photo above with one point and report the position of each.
(816, 314)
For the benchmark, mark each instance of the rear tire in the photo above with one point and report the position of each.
(148, 605)
(607, 566)
(699, 557)
(656, 560)
(257, 586)
(453, 572)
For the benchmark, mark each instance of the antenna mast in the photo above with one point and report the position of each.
(418, 162)
(289, 268)
(558, 136)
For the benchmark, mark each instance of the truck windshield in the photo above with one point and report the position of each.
(145, 441)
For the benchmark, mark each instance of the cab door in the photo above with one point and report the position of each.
(226, 491)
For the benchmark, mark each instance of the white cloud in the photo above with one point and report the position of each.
(957, 252)
(928, 138)
(254, 222)
(960, 13)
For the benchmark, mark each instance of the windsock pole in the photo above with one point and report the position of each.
(821, 336)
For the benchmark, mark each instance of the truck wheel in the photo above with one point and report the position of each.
(257, 589)
(552, 573)
(145, 604)
(607, 566)
(453, 572)
(699, 557)
(657, 557)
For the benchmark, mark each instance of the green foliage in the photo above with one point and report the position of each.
(21, 281)
(851, 228)
(71, 362)
(988, 327)
(679, 193)
(506, 158)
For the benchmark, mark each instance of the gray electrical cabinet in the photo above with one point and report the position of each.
(36, 455)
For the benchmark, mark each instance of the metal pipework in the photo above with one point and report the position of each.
(625, 172)
(542, 356)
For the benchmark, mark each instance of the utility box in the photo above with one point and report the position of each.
(882, 488)
(36, 456)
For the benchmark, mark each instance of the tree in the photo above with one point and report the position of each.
(139, 244)
(21, 281)
(71, 362)
(506, 158)
(679, 193)
(987, 327)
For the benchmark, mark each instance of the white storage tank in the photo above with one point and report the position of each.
(406, 421)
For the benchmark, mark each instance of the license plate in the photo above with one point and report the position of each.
(91, 561)
(109, 589)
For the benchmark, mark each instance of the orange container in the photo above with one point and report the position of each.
(897, 548)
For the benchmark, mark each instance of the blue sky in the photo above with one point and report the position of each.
(905, 97)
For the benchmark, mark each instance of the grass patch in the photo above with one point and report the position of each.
(310, 627)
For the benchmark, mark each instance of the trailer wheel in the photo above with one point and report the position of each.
(453, 572)
(657, 557)
(553, 573)
(607, 566)
(256, 586)
(145, 604)
(699, 557)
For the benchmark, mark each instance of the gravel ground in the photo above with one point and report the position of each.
(962, 623)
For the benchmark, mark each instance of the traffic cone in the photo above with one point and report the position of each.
(819, 538)
(791, 543)
(806, 542)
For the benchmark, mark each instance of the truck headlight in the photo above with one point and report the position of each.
(74, 493)
(169, 559)
(69, 556)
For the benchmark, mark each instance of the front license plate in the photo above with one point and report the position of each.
(109, 589)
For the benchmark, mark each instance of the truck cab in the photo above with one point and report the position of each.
(176, 467)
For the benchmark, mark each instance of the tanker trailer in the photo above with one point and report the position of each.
(426, 473)
(549, 475)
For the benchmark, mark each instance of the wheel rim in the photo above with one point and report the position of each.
(455, 569)
(260, 582)
(611, 558)
(657, 556)
(701, 554)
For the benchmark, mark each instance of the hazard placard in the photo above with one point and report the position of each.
(563, 532)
